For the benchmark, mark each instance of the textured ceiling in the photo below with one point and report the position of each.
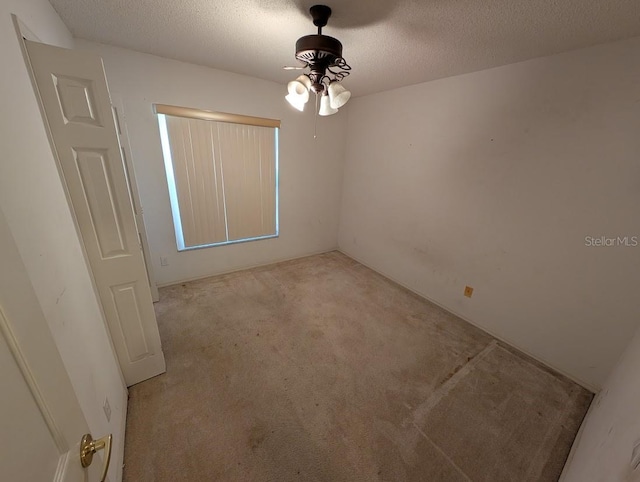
(388, 43)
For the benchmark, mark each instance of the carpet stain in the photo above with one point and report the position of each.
(257, 435)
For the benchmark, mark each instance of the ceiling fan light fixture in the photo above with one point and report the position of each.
(338, 95)
(325, 106)
(322, 55)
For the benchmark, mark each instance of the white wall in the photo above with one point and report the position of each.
(493, 180)
(602, 450)
(37, 213)
(310, 170)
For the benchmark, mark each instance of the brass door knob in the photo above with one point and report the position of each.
(88, 447)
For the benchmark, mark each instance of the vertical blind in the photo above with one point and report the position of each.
(222, 180)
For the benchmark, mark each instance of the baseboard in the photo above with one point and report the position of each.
(119, 459)
(580, 382)
(576, 441)
(243, 268)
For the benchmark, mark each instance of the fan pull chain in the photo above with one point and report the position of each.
(315, 122)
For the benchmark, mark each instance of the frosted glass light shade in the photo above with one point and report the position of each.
(300, 87)
(297, 101)
(338, 95)
(325, 106)
(304, 80)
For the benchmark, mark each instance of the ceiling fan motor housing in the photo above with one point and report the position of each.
(312, 47)
(320, 53)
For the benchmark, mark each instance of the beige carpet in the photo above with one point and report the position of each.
(319, 369)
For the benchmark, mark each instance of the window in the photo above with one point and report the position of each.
(222, 172)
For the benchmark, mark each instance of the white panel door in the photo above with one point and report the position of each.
(41, 423)
(125, 147)
(74, 97)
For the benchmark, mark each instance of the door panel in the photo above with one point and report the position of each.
(127, 305)
(75, 99)
(98, 192)
(123, 135)
(29, 450)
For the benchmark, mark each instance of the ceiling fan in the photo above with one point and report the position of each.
(322, 55)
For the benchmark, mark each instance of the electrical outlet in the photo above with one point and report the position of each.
(468, 291)
(107, 409)
(164, 261)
